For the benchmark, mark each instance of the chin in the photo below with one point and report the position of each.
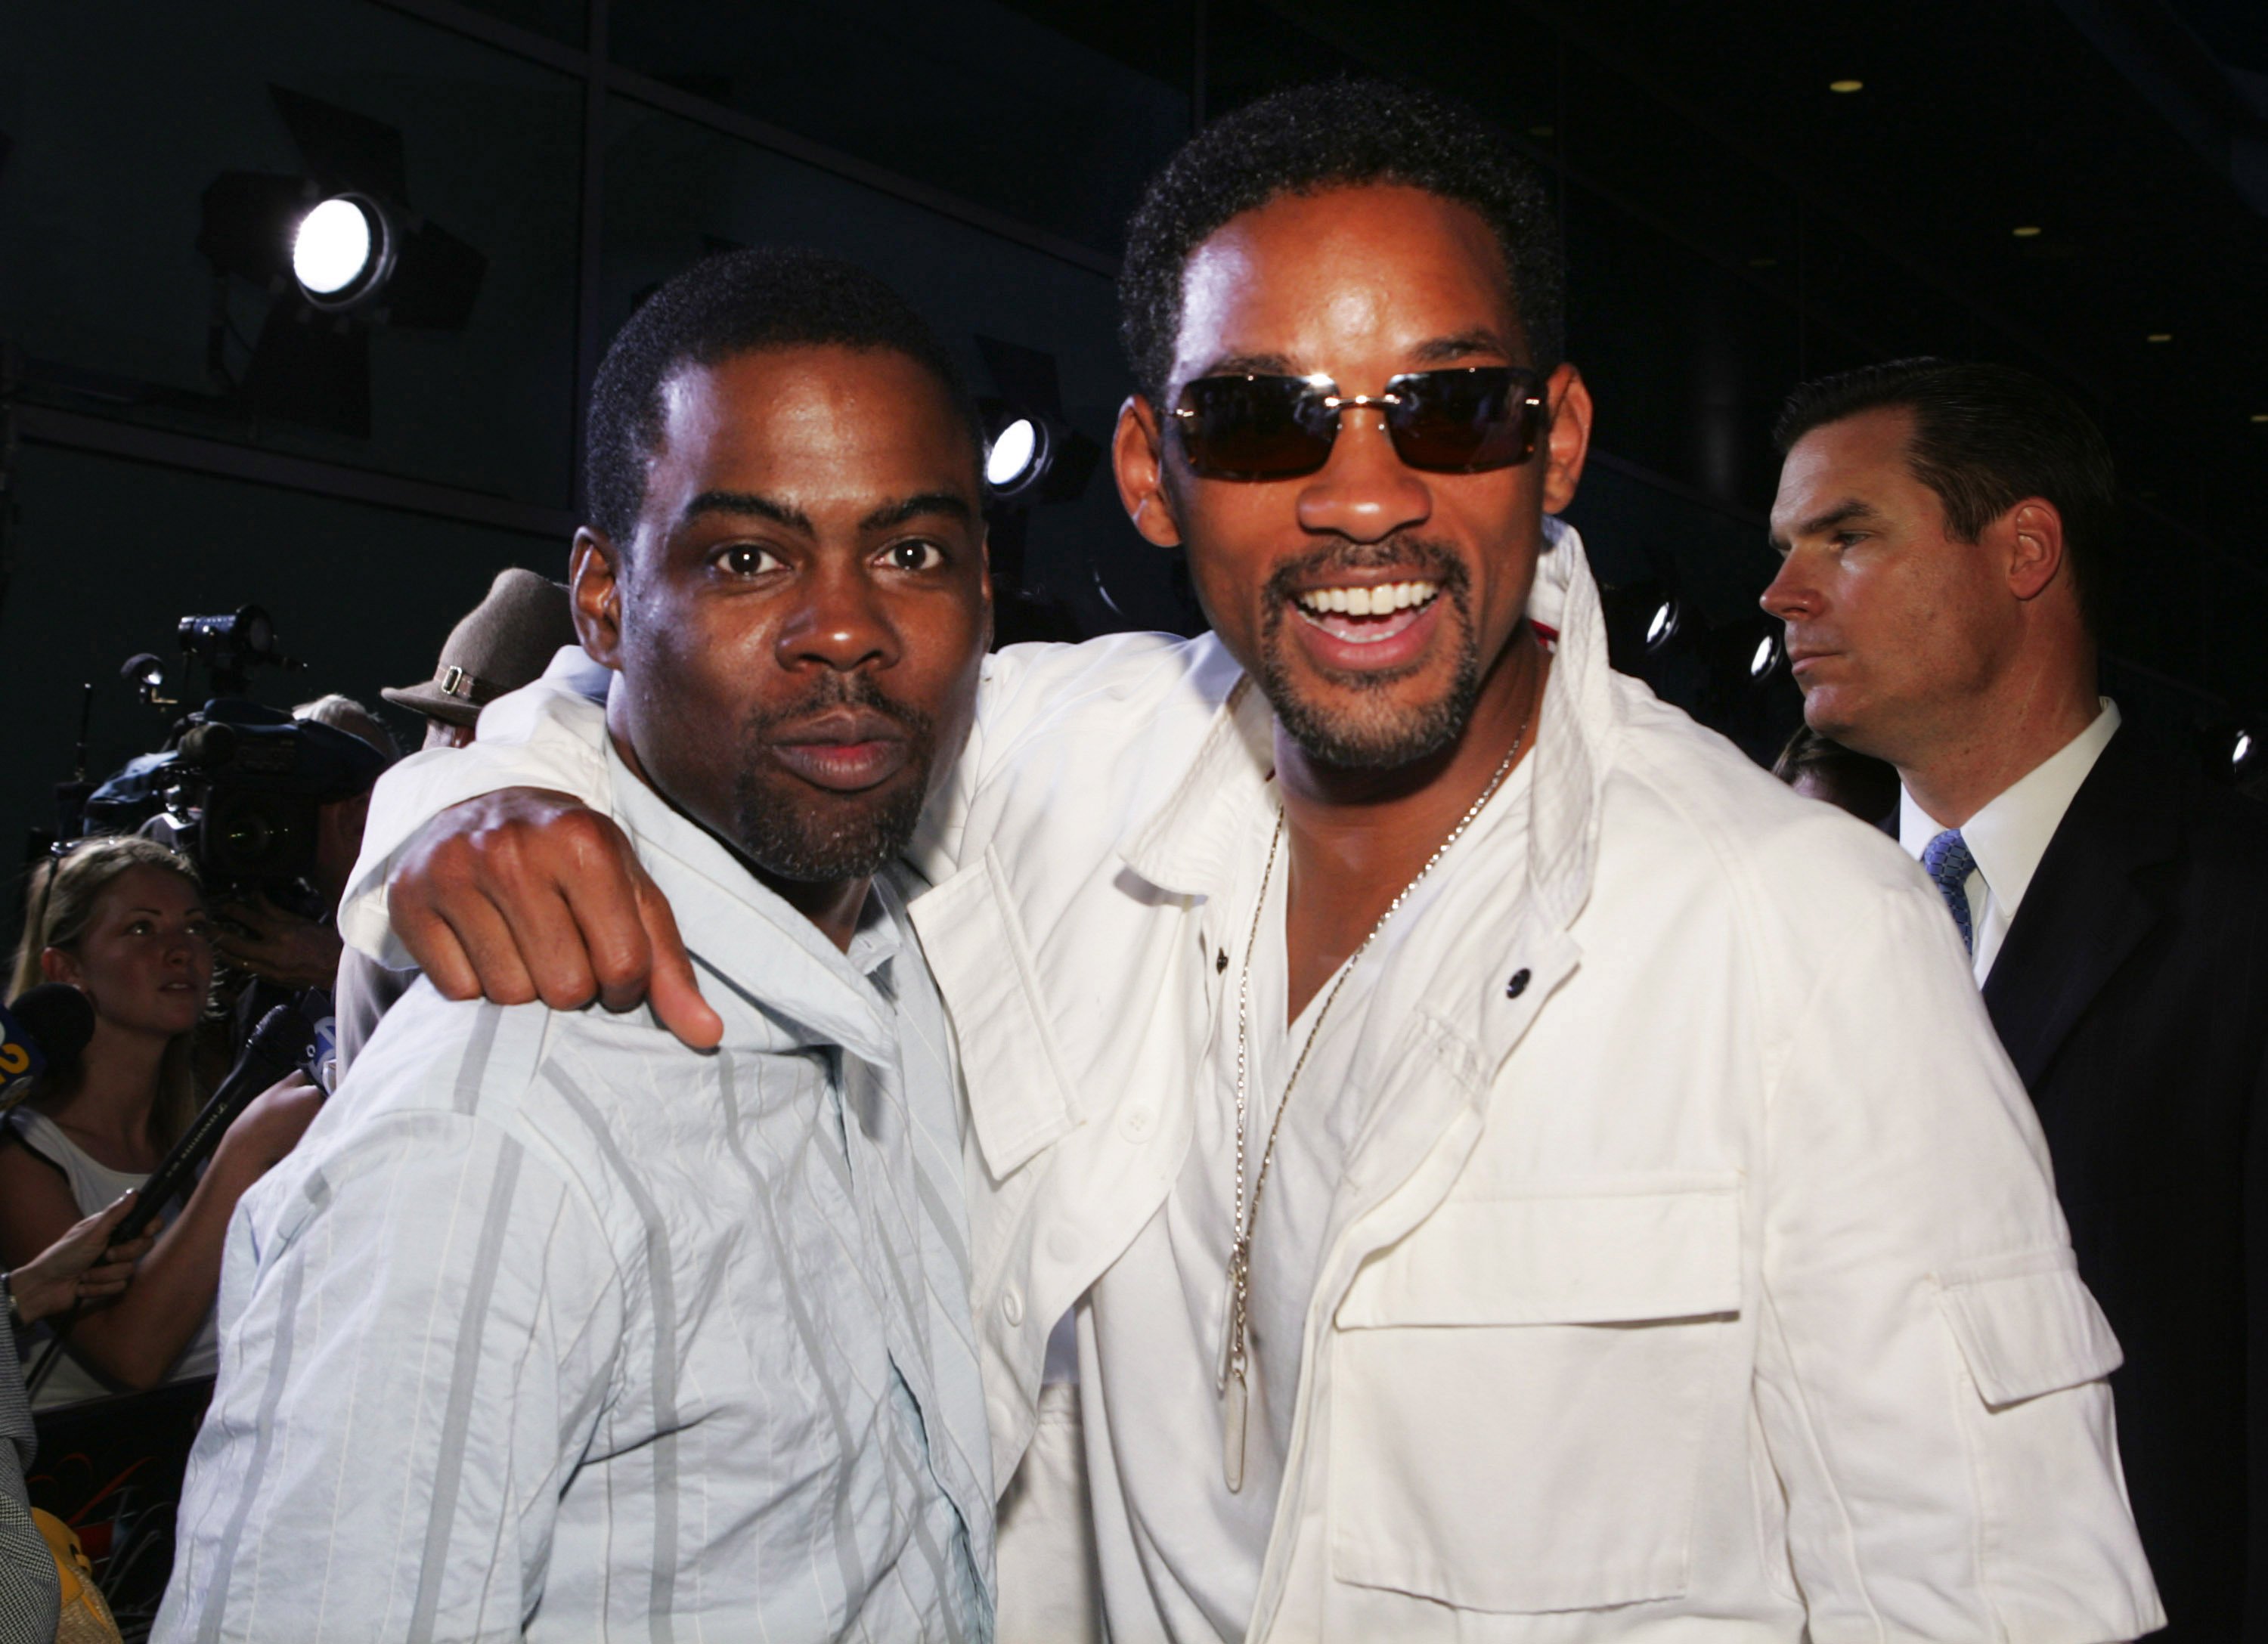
(1377, 729)
(173, 1013)
(817, 838)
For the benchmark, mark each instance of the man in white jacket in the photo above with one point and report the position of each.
(1520, 1174)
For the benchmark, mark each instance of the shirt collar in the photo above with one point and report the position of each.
(1192, 843)
(2009, 835)
(775, 961)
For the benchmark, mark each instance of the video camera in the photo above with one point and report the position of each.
(237, 788)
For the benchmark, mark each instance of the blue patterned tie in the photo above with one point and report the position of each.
(1945, 859)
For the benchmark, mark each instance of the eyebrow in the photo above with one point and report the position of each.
(1479, 340)
(1849, 509)
(944, 502)
(1250, 365)
(749, 504)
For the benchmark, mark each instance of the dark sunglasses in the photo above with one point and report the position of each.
(1461, 420)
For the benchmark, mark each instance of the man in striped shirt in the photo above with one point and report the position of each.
(554, 1327)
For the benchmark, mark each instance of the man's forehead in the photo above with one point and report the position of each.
(1841, 468)
(831, 425)
(1385, 267)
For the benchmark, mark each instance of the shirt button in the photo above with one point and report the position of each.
(1518, 985)
(1135, 1125)
(1012, 1309)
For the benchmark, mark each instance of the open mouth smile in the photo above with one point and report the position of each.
(1366, 613)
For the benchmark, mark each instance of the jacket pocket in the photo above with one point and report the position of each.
(2027, 1327)
(1520, 1394)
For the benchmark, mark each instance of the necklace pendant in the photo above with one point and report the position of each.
(1232, 1435)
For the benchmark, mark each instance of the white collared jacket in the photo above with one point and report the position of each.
(1700, 1276)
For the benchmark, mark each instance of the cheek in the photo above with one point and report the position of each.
(696, 672)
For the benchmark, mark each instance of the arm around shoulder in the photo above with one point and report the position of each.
(550, 734)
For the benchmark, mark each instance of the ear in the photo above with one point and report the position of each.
(1138, 458)
(1569, 441)
(2033, 545)
(594, 581)
(56, 965)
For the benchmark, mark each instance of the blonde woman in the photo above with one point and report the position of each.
(123, 920)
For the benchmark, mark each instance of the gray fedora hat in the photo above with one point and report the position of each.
(504, 643)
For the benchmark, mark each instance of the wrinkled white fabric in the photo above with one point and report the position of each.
(1701, 1278)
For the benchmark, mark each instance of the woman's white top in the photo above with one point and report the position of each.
(94, 1186)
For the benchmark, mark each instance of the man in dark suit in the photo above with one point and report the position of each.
(1944, 531)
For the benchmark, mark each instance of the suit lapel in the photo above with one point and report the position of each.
(2090, 906)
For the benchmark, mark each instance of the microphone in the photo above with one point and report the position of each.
(277, 1046)
(49, 1024)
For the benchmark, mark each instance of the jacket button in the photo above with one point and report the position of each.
(1518, 985)
(1012, 1309)
(1135, 1125)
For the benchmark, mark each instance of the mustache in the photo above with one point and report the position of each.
(1424, 557)
(831, 691)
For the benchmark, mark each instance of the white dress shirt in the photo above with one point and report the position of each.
(552, 1328)
(2009, 835)
(1694, 1273)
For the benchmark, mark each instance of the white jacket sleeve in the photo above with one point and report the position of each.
(1930, 1366)
(553, 734)
(550, 734)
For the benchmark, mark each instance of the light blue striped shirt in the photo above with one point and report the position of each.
(554, 1327)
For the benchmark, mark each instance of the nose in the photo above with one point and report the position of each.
(1365, 492)
(841, 623)
(1790, 596)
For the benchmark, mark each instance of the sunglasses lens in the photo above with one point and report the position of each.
(1464, 420)
(1253, 428)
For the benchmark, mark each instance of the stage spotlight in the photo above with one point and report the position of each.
(1663, 626)
(1650, 624)
(1764, 659)
(337, 249)
(342, 252)
(1018, 457)
(2240, 756)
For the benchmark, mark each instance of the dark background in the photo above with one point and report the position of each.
(1732, 223)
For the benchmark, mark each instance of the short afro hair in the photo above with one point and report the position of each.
(1330, 135)
(737, 302)
(1984, 438)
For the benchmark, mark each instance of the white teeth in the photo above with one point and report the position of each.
(1367, 601)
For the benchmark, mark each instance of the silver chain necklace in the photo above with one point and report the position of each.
(1234, 1359)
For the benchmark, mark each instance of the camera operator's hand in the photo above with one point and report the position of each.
(524, 894)
(269, 1127)
(83, 1266)
(277, 945)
